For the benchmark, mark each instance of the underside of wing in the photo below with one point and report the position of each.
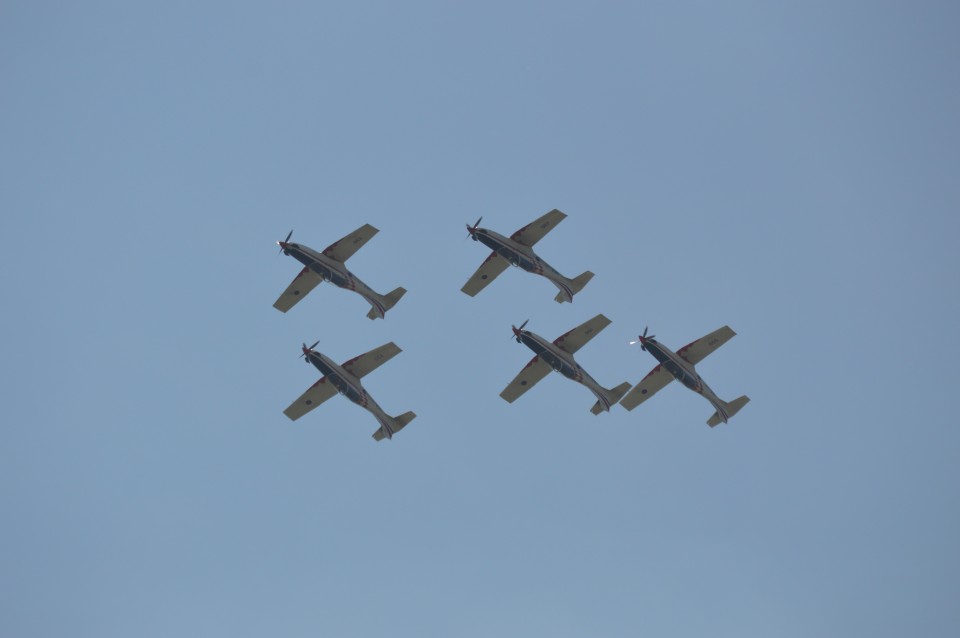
(342, 250)
(369, 361)
(303, 283)
(534, 231)
(314, 396)
(528, 377)
(487, 272)
(648, 386)
(698, 350)
(575, 339)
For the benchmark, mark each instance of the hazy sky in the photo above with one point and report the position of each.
(788, 169)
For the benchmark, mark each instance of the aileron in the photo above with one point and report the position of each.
(343, 249)
(575, 339)
(303, 283)
(314, 396)
(535, 230)
(366, 363)
(531, 374)
(489, 270)
(698, 350)
(656, 380)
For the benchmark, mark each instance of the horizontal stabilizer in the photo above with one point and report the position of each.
(729, 409)
(399, 422)
(612, 397)
(575, 285)
(387, 301)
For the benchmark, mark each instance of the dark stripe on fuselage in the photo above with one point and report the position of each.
(344, 387)
(515, 258)
(550, 358)
(335, 277)
(344, 279)
(681, 375)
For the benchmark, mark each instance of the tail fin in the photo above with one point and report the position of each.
(612, 396)
(399, 422)
(388, 301)
(730, 409)
(576, 285)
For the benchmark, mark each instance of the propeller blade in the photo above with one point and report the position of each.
(310, 349)
(472, 229)
(523, 324)
(280, 243)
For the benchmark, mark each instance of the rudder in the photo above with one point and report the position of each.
(612, 396)
(388, 301)
(576, 285)
(730, 408)
(399, 422)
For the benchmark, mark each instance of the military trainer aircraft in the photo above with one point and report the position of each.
(517, 250)
(558, 356)
(329, 266)
(680, 365)
(345, 379)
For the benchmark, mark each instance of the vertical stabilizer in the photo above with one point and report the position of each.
(387, 301)
(612, 396)
(399, 422)
(576, 285)
(730, 409)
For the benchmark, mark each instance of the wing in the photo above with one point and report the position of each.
(528, 377)
(370, 361)
(576, 338)
(342, 250)
(698, 350)
(303, 283)
(314, 396)
(534, 231)
(487, 272)
(655, 380)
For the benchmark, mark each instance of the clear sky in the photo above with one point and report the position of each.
(789, 169)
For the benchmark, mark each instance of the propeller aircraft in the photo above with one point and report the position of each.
(517, 250)
(345, 379)
(558, 355)
(680, 365)
(329, 265)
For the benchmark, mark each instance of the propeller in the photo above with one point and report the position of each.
(472, 230)
(283, 243)
(307, 350)
(642, 339)
(517, 331)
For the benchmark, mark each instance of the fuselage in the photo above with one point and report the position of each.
(522, 257)
(563, 362)
(684, 372)
(350, 387)
(335, 272)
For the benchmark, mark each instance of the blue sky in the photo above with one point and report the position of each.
(788, 170)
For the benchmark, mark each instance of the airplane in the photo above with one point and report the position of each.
(517, 250)
(680, 365)
(329, 266)
(558, 356)
(345, 379)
